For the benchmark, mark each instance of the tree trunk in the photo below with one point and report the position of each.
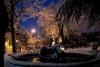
(12, 28)
(60, 25)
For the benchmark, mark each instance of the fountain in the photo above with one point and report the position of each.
(52, 56)
(56, 54)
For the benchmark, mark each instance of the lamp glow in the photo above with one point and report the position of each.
(33, 30)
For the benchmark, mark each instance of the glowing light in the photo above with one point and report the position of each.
(8, 47)
(17, 41)
(62, 48)
(35, 59)
(33, 30)
(60, 40)
(53, 43)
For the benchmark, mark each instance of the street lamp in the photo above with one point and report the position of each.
(33, 30)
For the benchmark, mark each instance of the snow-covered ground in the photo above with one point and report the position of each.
(82, 50)
(87, 50)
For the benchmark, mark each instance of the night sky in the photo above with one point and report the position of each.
(32, 22)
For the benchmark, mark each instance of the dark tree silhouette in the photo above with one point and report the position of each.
(12, 26)
(11, 13)
(3, 27)
(76, 8)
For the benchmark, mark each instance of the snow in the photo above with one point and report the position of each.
(77, 50)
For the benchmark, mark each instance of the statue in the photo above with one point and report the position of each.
(53, 50)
